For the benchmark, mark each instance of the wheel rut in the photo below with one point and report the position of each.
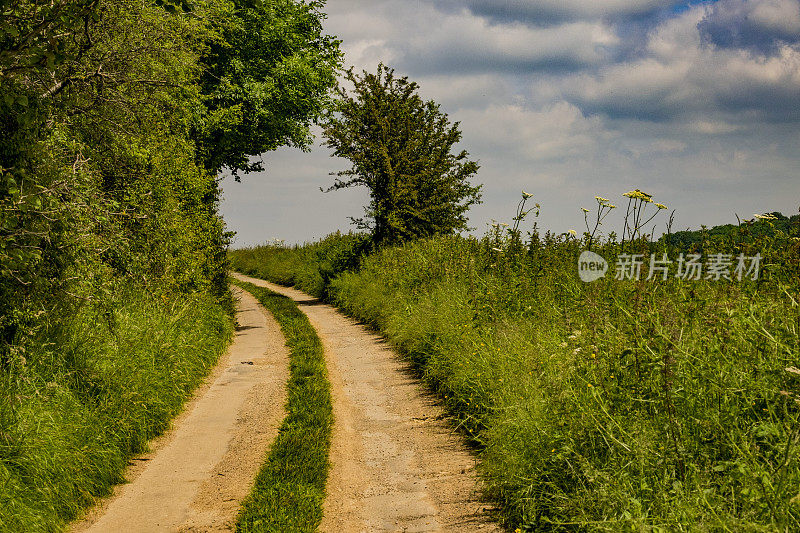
(196, 475)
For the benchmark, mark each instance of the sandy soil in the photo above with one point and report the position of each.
(397, 464)
(197, 473)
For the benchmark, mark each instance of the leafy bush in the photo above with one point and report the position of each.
(116, 118)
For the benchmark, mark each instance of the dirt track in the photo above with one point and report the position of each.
(396, 463)
(196, 474)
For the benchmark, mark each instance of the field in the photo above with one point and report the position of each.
(616, 405)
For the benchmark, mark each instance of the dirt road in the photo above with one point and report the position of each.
(197, 474)
(396, 463)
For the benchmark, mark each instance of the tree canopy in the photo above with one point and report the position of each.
(266, 79)
(402, 149)
(116, 117)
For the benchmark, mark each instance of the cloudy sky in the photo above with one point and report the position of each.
(694, 102)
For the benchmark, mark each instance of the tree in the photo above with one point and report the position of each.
(400, 149)
(116, 117)
(267, 78)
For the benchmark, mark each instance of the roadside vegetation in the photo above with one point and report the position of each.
(89, 390)
(290, 488)
(615, 405)
(117, 118)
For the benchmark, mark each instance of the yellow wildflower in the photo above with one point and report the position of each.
(640, 195)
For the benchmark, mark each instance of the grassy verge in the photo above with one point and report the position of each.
(310, 268)
(290, 487)
(610, 406)
(88, 391)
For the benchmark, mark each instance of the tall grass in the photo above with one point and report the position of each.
(88, 391)
(609, 406)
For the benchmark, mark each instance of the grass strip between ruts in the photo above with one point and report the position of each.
(290, 488)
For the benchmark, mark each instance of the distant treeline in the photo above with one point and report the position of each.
(751, 229)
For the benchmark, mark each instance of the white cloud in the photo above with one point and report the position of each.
(712, 127)
(781, 15)
(367, 53)
(424, 39)
(533, 136)
(465, 42)
(467, 91)
(542, 12)
(679, 78)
